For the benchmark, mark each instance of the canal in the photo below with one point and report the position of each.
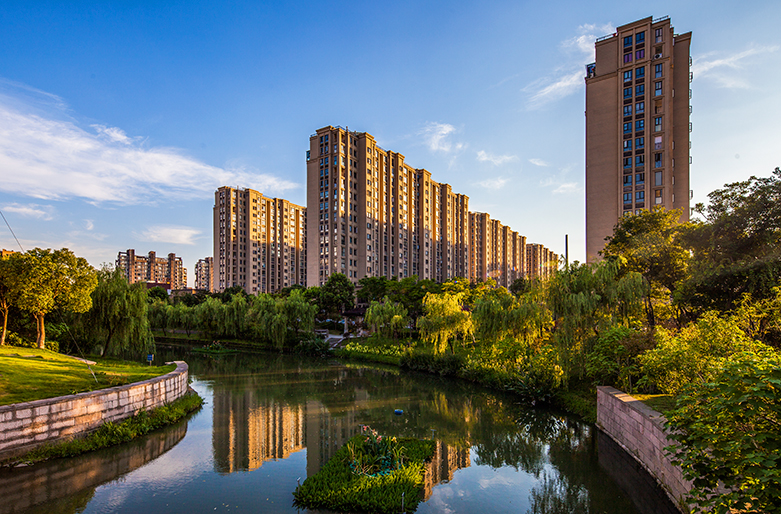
(271, 420)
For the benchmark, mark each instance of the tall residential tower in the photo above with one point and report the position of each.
(637, 126)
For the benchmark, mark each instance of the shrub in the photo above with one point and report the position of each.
(14, 339)
(444, 364)
(614, 358)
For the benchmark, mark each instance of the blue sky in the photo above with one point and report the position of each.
(118, 120)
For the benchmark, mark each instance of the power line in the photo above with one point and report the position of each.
(12, 231)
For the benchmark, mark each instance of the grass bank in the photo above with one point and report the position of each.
(337, 487)
(111, 434)
(28, 374)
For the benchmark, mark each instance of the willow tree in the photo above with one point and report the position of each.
(586, 299)
(444, 320)
(118, 320)
(386, 318)
(52, 279)
(502, 316)
(272, 319)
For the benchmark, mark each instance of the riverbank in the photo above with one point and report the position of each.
(580, 398)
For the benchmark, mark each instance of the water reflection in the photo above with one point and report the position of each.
(67, 485)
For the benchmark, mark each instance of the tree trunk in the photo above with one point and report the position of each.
(5, 324)
(41, 339)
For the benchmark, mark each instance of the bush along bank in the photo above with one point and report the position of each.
(371, 473)
(111, 434)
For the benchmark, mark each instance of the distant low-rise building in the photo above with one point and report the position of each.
(151, 268)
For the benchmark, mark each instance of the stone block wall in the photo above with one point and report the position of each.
(640, 431)
(26, 425)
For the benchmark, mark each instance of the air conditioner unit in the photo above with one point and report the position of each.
(657, 56)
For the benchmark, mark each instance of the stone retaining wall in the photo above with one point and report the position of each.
(26, 425)
(639, 430)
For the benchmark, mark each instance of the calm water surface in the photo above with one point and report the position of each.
(271, 420)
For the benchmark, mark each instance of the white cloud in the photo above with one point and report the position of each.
(31, 210)
(722, 69)
(493, 183)
(497, 160)
(568, 78)
(47, 158)
(437, 137)
(538, 162)
(89, 224)
(567, 188)
(170, 234)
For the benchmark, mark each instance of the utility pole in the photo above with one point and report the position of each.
(566, 251)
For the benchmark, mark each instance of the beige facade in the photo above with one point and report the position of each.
(259, 242)
(371, 214)
(204, 280)
(498, 252)
(637, 126)
(540, 261)
(151, 268)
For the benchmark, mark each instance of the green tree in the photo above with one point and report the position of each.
(445, 319)
(386, 317)
(501, 316)
(157, 293)
(410, 293)
(183, 317)
(159, 315)
(521, 285)
(117, 321)
(727, 434)
(8, 286)
(50, 279)
(372, 289)
(336, 295)
(649, 244)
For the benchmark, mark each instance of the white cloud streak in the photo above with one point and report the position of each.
(51, 159)
(493, 183)
(567, 188)
(32, 210)
(437, 137)
(539, 162)
(722, 69)
(497, 160)
(170, 234)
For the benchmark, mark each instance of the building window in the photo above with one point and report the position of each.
(627, 180)
(640, 73)
(639, 160)
(639, 107)
(658, 196)
(628, 145)
(657, 178)
(640, 178)
(627, 162)
(627, 92)
(658, 88)
(627, 128)
(658, 143)
(628, 41)
(640, 37)
(658, 36)
(627, 58)
(657, 124)
(628, 76)
(640, 142)
(639, 54)
(640, 90)
(639, 125)
(627, 110)
(657, 71)
(639, 196)
(628, 198)
(657, 160)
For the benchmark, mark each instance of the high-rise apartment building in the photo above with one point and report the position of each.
(150, 268)
(637, 126)
(259, 242)
(204, 280)
(371, 214)
(540, 261)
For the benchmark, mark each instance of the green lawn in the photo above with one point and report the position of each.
(28, 374)
(659, 402)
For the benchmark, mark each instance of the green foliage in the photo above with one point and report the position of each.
(445, 320)
(112, 434)
(8, 290)
(386, 318)
(372, 289)
(501, 316)
(695, 354)
(410, 292)
(728, 433)
(157, 293)
(336, 295)
(389, 354)
(49, 279)
(117, 321)
(448, 365)
(336, 487)
(613, 360)
(279, 320)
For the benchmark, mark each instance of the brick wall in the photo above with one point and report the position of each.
(639, 430)
(26, 425)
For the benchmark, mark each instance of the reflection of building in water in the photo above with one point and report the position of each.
(248, 431)
(446, 461)
(326, 433)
